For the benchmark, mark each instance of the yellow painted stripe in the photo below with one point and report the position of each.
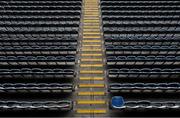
(91, 21)
(92, 33)
(91, 78)
(91, 45)
(91, 27)
(91, 85)
(91, 55)
(91, 50)
(91, 102)
(92, 30)
(91, 65)
(91, 111)
(91, 4)
(91, 41)
(91, 60)
(97, 93)
(92, 14)
(91, 72)
(92, 37)
(94, 18)
(91, 10)
(95, 8)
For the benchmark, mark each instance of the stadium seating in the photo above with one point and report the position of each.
(142, 51)
(38, 46)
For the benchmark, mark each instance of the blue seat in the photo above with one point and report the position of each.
(117, 102)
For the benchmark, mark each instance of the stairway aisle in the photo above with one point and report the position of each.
(91, 88)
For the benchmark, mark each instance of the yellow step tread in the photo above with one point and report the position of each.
(87, 16)
(91, 60)
(91, 50)
(91, 111)
(91, 27)
(92, 24)
(91, 14)
(93, 10)
(91, 72)
(91, 85)
(91, 65)
(92, 30)
(91, 102)
(91, 39)
(91, 54)
(92, 33)
(91, 78)
(91, 20)
(97, 93)
(91, 45)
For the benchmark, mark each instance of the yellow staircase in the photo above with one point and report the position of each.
(91, 88)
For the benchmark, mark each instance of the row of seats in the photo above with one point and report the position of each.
(58, 105)
(40, 18)
(119, 103)
(142, 37)
(39, 24)
(38, 48)
(37, 73)
(144, 87)
(36, 60)
(142, 50)
(145, 73)
(127, 3)
(40, 3)
(143, 60)
(141, 7)
(15, 7)
(36, 87)
(139, 17)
